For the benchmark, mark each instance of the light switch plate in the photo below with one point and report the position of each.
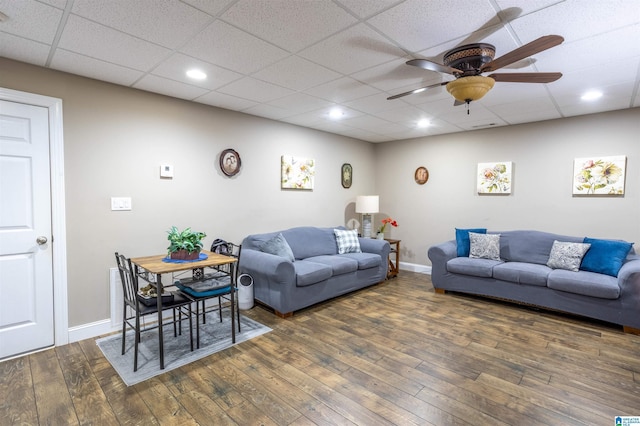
(166, 171)
(120, 203)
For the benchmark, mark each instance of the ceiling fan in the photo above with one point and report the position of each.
(467, 64)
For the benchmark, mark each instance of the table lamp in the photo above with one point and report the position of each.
(367, 205)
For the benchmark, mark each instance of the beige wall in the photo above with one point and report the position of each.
(116, 138)
(542, 156)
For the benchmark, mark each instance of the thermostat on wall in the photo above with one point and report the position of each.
(166, 171)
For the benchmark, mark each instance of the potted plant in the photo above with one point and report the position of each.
(185, 245)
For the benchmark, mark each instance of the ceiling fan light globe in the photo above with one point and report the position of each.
(473, 88)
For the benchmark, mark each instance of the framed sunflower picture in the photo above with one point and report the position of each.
(599, 175)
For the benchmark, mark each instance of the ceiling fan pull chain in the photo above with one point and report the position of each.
(468, 107)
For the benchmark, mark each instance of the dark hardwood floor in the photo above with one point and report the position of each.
(396, 353)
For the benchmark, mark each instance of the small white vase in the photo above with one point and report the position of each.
(380, 235)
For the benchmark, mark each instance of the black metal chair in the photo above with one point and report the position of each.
(178, 303)
(221, 276)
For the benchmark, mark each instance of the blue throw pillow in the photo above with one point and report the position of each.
(605, 256)
(462, 240)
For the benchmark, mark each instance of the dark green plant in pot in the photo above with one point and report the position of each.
(184, 244)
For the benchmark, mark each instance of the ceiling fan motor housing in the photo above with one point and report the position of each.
(470, 57)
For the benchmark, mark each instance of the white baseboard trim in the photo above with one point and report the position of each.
(91, 330)
(414, 267)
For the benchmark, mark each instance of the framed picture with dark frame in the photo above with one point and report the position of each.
(346, 175)
(421, 175)
(230, 162)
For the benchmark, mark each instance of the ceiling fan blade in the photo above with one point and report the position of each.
(411, 92)
(433, 66)
(526, 77)
(529, 49)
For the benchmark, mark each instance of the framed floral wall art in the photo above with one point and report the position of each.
(297, 172)
(494, 178)
(599, 175)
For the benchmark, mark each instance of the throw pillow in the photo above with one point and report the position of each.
(347, 240)
(462, 240)
(605, 256)
(279, 246)
(484, 246)
(566, 255)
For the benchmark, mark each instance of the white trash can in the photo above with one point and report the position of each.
(245, 292)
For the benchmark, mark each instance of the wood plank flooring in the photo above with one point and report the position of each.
(393, 354)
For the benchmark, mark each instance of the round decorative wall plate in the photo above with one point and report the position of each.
(422, 175)
(346, 175)
(230, 162)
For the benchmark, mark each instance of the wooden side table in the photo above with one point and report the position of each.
(394, 264)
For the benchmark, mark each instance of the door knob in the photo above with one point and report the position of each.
(41, 240)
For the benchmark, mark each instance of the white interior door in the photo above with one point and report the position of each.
(26, 263)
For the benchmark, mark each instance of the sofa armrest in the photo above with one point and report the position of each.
(266, 268)
(439, 255)
(374, 245)
(629, 280)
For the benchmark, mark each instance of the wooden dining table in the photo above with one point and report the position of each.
(151, 268)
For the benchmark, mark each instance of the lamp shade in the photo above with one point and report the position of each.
(367, 204)
(467, 89)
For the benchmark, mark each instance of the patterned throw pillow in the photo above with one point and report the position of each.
(484, 246)
(567, 255)
(347, 240)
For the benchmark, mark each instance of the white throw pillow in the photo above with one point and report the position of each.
(484, 246)
(567, 255)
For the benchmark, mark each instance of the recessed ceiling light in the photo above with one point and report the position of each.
(336, 113)
(196, 74)
(424, 123)
(591, 96)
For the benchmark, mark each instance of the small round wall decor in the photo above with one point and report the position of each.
(422, 175)
(230, 162)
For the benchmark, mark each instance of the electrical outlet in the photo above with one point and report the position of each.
(120, 203)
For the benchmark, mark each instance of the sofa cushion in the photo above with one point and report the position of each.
(462, 240)
(605, 256)
(522, 273)
(585, 283)
(339, 264)
(530, 246)
(365, 260)
(471, 266)
(566, 255)
(484, 246)
(347, 241)
(278, 246)
(308, 241)
(308, 273)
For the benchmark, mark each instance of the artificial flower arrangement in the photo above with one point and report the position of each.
(385, 222)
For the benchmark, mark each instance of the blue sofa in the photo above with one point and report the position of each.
(522, 275)
(315, 273)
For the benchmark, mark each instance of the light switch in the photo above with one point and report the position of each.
(120, 203)
(166, 171)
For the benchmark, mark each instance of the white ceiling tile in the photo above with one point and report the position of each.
(291, 25)
(342, 90)
(74, 63)
(374, 104)
(427, 23)
(60, 4)
(176, 66)
(226, 46)
(296, 73)
(212, 7)
(222, 100)
(30, 19)
(573, 20)
(168, 87)
(164, 22)
(374, 124)
(353, 50)
(366, 8)
(395, 74)
(97, 41)
(527, 6)
(268, 111)
(255, 90)
(300, 102)
(23, 50)
(585, 108)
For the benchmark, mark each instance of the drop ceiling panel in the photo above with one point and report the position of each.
(296, 73)
(153, 83)
(24, 50)
(71, 62)
(31, 20)
(175, 68)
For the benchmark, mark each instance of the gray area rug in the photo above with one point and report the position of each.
(214, 336)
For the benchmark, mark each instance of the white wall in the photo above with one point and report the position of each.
(542, 155)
